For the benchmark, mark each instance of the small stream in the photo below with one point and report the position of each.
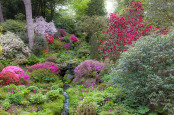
(66, 102)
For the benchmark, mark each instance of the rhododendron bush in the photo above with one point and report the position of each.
(125, 29)
(47, 65)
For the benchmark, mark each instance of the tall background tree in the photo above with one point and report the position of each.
(96, 7)
(29, 19)
(1, 14)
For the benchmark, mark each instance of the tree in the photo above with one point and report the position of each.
(1, 15)
(96, 7)
(29, 19)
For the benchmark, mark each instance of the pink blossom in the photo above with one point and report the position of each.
(73, 38)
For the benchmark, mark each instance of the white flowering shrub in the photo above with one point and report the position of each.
(41, 27)
(13, 47)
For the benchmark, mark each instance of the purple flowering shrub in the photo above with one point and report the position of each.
(67, 45)
(47, 65)
(62, 32)
(88, 69)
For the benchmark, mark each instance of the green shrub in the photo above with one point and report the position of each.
(6, 104)
(55, 107)
(58, 44)
(2, 112)
(13, 25)
(43, 75)
(147, 71)
(53, 94)
(15, 98)
(40, 43)
(32, 60)
(54, 87)
(1, 67)
(3, 95)
(37, 99)
(33, 88)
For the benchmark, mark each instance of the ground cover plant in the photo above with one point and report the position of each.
(85, 64)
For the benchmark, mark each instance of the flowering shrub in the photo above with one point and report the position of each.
(7, 78)
(66, 45)
(73, 38)
(47, 65)
(41, 27)
(124, 29)
(88, 68)
(62, 32)
(49, 38)
(17, 71)
(13, 47)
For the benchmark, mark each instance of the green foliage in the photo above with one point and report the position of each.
(79, 7)
(13, 25)
(3, 112)
(20, 16)
(37, 99)
(32, 60)
(58, 44)
(54, 87)
(16, 98)
(33, 88)
(40, 43)
(56, 107)
(96, 7)
(146, 71)
(3, 95)
(43, 75)
(143, 109)
(87, 108)
(160, 13)
(24, 36)
(1, 67)
(53, 94)
(5, 104)
(93, 26)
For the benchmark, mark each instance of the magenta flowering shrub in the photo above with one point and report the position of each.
(48, 65)
(62, 32)
(17, 71)
(87, 69)
(73, 38)
(67, 45)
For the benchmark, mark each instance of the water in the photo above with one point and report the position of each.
(66, 104)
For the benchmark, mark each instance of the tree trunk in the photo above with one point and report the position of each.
(29, 19)
(1, 15)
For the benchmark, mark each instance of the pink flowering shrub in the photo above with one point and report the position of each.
(66, 45)
(73, 38)
(62, 32)
(47, 65)
(17, 71)
(87, 69)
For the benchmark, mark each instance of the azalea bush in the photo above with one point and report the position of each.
(147, 71)
(7, 78)
(88, 69)
(17, 71)
(47, 65)
(124, 29)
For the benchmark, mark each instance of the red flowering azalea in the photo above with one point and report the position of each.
(7, 78)
(124, 29)
(49, 38)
